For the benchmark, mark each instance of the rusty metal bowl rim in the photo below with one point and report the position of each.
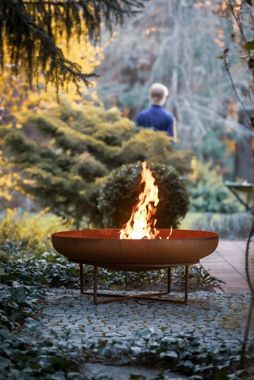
(75, 234)
(101, 247)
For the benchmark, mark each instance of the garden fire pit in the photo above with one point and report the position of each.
(104, 249)
(138, 246)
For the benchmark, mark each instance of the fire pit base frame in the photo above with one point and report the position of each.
(100, 297)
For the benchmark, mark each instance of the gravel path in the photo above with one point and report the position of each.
(210, 315)
(215, 318)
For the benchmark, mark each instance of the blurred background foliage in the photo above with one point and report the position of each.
(180, 43)
(25, 235)
(208, 193)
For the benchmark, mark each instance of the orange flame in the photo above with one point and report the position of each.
(141, 224)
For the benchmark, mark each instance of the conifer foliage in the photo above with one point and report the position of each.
(31, 29)
(65, 155)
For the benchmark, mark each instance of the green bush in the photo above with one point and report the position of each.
(215, 148)
(234, 226)
(120, 193)
(154, 146)
(209, 194)
(207, 197)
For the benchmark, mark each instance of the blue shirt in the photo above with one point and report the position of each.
(156, 117)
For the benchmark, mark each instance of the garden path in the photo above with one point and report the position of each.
(214, 320)
(227, 263)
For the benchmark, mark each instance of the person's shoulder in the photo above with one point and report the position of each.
(139, 118)
(142, 114)
(169, 115)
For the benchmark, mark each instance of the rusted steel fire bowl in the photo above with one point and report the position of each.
(103, 248)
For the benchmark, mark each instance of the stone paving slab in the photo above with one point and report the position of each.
(228, 264)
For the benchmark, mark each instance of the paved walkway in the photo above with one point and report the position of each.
(228, 264)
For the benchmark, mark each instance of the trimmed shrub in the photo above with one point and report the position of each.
(120, 192)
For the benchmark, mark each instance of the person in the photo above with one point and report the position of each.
(156, 116)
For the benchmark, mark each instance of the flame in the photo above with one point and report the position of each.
(141, 224)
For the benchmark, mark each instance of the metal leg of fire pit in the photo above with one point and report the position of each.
(154, 296)
(186, 287)
(95, 283)
(81, 278)
(169, 279)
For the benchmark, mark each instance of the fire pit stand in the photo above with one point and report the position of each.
(102, 248)
(101, 297)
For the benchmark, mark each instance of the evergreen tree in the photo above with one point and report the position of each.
(65, 155)
(31, 29)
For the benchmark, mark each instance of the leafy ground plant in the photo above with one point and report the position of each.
(24, 353)
(28, 356)
(183, 353)
(199, 278)
(52, 270)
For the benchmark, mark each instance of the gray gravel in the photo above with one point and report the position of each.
(209, 314)
(215, 318)
(125, 372)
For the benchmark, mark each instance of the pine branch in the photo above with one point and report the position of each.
(29, 32)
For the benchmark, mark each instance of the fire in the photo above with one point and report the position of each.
(141, 224)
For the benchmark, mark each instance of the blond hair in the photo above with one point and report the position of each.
(158, 93)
